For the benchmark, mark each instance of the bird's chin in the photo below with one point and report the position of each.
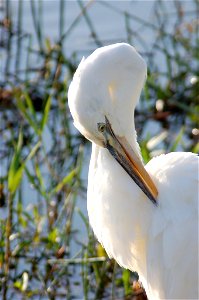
(96, 141)
(92, 137)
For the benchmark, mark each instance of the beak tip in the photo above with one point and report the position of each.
(154, 200)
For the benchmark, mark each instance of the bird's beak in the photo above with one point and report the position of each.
(121, 150)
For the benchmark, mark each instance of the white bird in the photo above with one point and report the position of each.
(146, 217)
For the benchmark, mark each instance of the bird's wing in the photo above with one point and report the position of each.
(173, 248)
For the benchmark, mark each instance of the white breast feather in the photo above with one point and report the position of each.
(148, 239)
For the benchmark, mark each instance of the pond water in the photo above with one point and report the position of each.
(109, 21)
(107, 18)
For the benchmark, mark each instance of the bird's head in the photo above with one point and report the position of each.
(102, 97)
(107, 83)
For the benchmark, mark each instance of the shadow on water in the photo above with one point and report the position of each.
(47, 249)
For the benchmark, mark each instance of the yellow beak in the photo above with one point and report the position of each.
(121, 150)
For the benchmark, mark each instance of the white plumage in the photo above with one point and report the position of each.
(160, 241)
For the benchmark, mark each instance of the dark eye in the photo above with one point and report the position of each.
(101, 127)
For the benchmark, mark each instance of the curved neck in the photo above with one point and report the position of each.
(131, 137)
(118, 209)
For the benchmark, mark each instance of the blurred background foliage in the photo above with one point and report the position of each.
(47, 249)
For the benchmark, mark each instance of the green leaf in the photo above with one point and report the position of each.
(126, 282)
(52, 236)
(65, 180)
(33, 151)
(23, 222)
(177, 140)
(39, 176)
(30, 105)
(46, 113)
(14, 178)
(196, 148)
(31, 179)
(15, 171)
(48, 44)
(23, 110)
(17, 166)
(84, 218)
(18, 284)
(20, 141)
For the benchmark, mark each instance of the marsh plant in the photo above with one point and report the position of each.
(47, 249)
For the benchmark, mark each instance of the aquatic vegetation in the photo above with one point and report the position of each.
(47, 249)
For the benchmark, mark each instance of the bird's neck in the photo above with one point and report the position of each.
(131, 137)
(118, 209)
(107, 174)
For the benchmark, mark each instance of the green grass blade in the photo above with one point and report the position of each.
(65, 180)
(23, 110)
(14, 178)
(17, 166)
(33, 151)
(40, 178)
(30, 105)
(177, 140)
(126, 282)
(46, 113)
(15, 170)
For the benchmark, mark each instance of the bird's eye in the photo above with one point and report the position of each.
(101, 127)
